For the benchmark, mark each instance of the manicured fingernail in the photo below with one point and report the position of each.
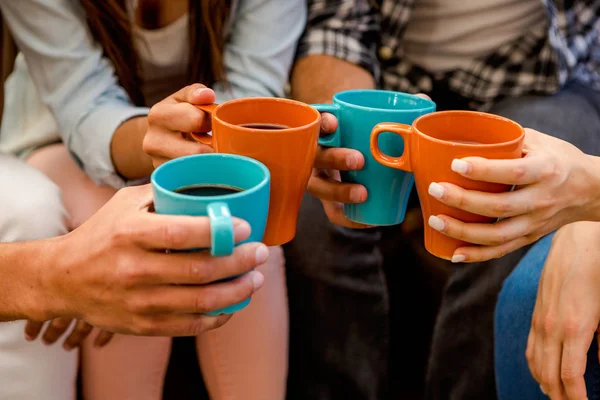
(262, 253)
(458, 258)
(241, 229)
(355, 195)
(257, 279)
(461, 167)
(352, 162)
(437, 223)
(436, 190)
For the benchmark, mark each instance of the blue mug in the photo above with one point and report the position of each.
(358, 111)
(218, 186)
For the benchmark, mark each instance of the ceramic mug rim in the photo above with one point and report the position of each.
(441, 114)
(431, 106)
(171, 163)
(229, 103)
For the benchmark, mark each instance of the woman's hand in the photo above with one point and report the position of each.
(567, 312)
(325, 183)
(556, 184)
(170, 120)
(57, 328)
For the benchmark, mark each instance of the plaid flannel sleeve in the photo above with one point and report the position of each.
(345, 29)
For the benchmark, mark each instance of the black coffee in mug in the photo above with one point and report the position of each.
(264, 126)
(204, 190)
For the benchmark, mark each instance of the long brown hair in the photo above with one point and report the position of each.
(111, 27)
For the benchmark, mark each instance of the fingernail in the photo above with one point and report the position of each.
(352, 162)
(355, 195)
(542, 389)
(437, 223)
(436, 190)
(458, 258)
(201, 90)
(67, 347)
(461, 167)
(262, 253)
(241, 229)
(257, 279)
(28, 337)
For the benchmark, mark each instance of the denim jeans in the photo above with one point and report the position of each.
(514, 311)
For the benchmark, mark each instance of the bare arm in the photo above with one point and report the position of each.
(126, 149)
(317, 78)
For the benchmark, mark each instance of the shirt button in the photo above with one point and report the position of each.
(385, 53)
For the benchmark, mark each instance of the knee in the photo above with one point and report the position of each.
(31, 209)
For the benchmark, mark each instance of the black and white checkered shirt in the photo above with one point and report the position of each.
(369, 33)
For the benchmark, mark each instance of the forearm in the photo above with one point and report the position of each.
(23, 287)
(316, 78)
(128, 157)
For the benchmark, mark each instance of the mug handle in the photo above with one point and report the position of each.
(221, 229)
(200, 137)
(332, 140)
(402, 130)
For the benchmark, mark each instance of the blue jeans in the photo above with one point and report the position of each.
(514, 311)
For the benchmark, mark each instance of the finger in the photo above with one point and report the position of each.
(520, 171)
(177, 232)
(103, 338)
(530, 355)
(339, 159)
(32, 330)
(472, 254)
(335, 214)
(197, 299)
(195, 94)
(497, 205)
(178, 117)
(176, 324)
(329, 123)
(331, 190)
(56, 329)
(193, 268)
(490, 234)
(574, 359)
(77, 336)
(551, 354)
(168, 145)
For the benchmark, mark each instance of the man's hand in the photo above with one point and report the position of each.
(113, 272)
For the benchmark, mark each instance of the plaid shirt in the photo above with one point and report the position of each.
(369, 33)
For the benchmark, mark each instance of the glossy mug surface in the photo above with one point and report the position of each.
(432, 142)
(358, 111)
(249, 202)
(280, 133)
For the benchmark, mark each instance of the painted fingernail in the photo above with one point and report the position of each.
(355, 195)
(262, 253)
(436, 190)
(257, 278)
(458, 258)
(437, 223)
(241, 229)
(461, 167)
(352, 162)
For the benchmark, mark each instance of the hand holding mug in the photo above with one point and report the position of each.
(556, 184)
(170, 120)
(325, 182)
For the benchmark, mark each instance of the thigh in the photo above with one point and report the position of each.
(573, 115)
(338, 310)
(31, 205)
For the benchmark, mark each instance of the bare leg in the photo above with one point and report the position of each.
(247, 358)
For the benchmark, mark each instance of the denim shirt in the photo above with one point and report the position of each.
(81, 89)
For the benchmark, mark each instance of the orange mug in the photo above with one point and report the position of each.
(280, 133)
(432, 142)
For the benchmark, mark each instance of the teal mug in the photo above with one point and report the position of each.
(357, 112)
(217, 186)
